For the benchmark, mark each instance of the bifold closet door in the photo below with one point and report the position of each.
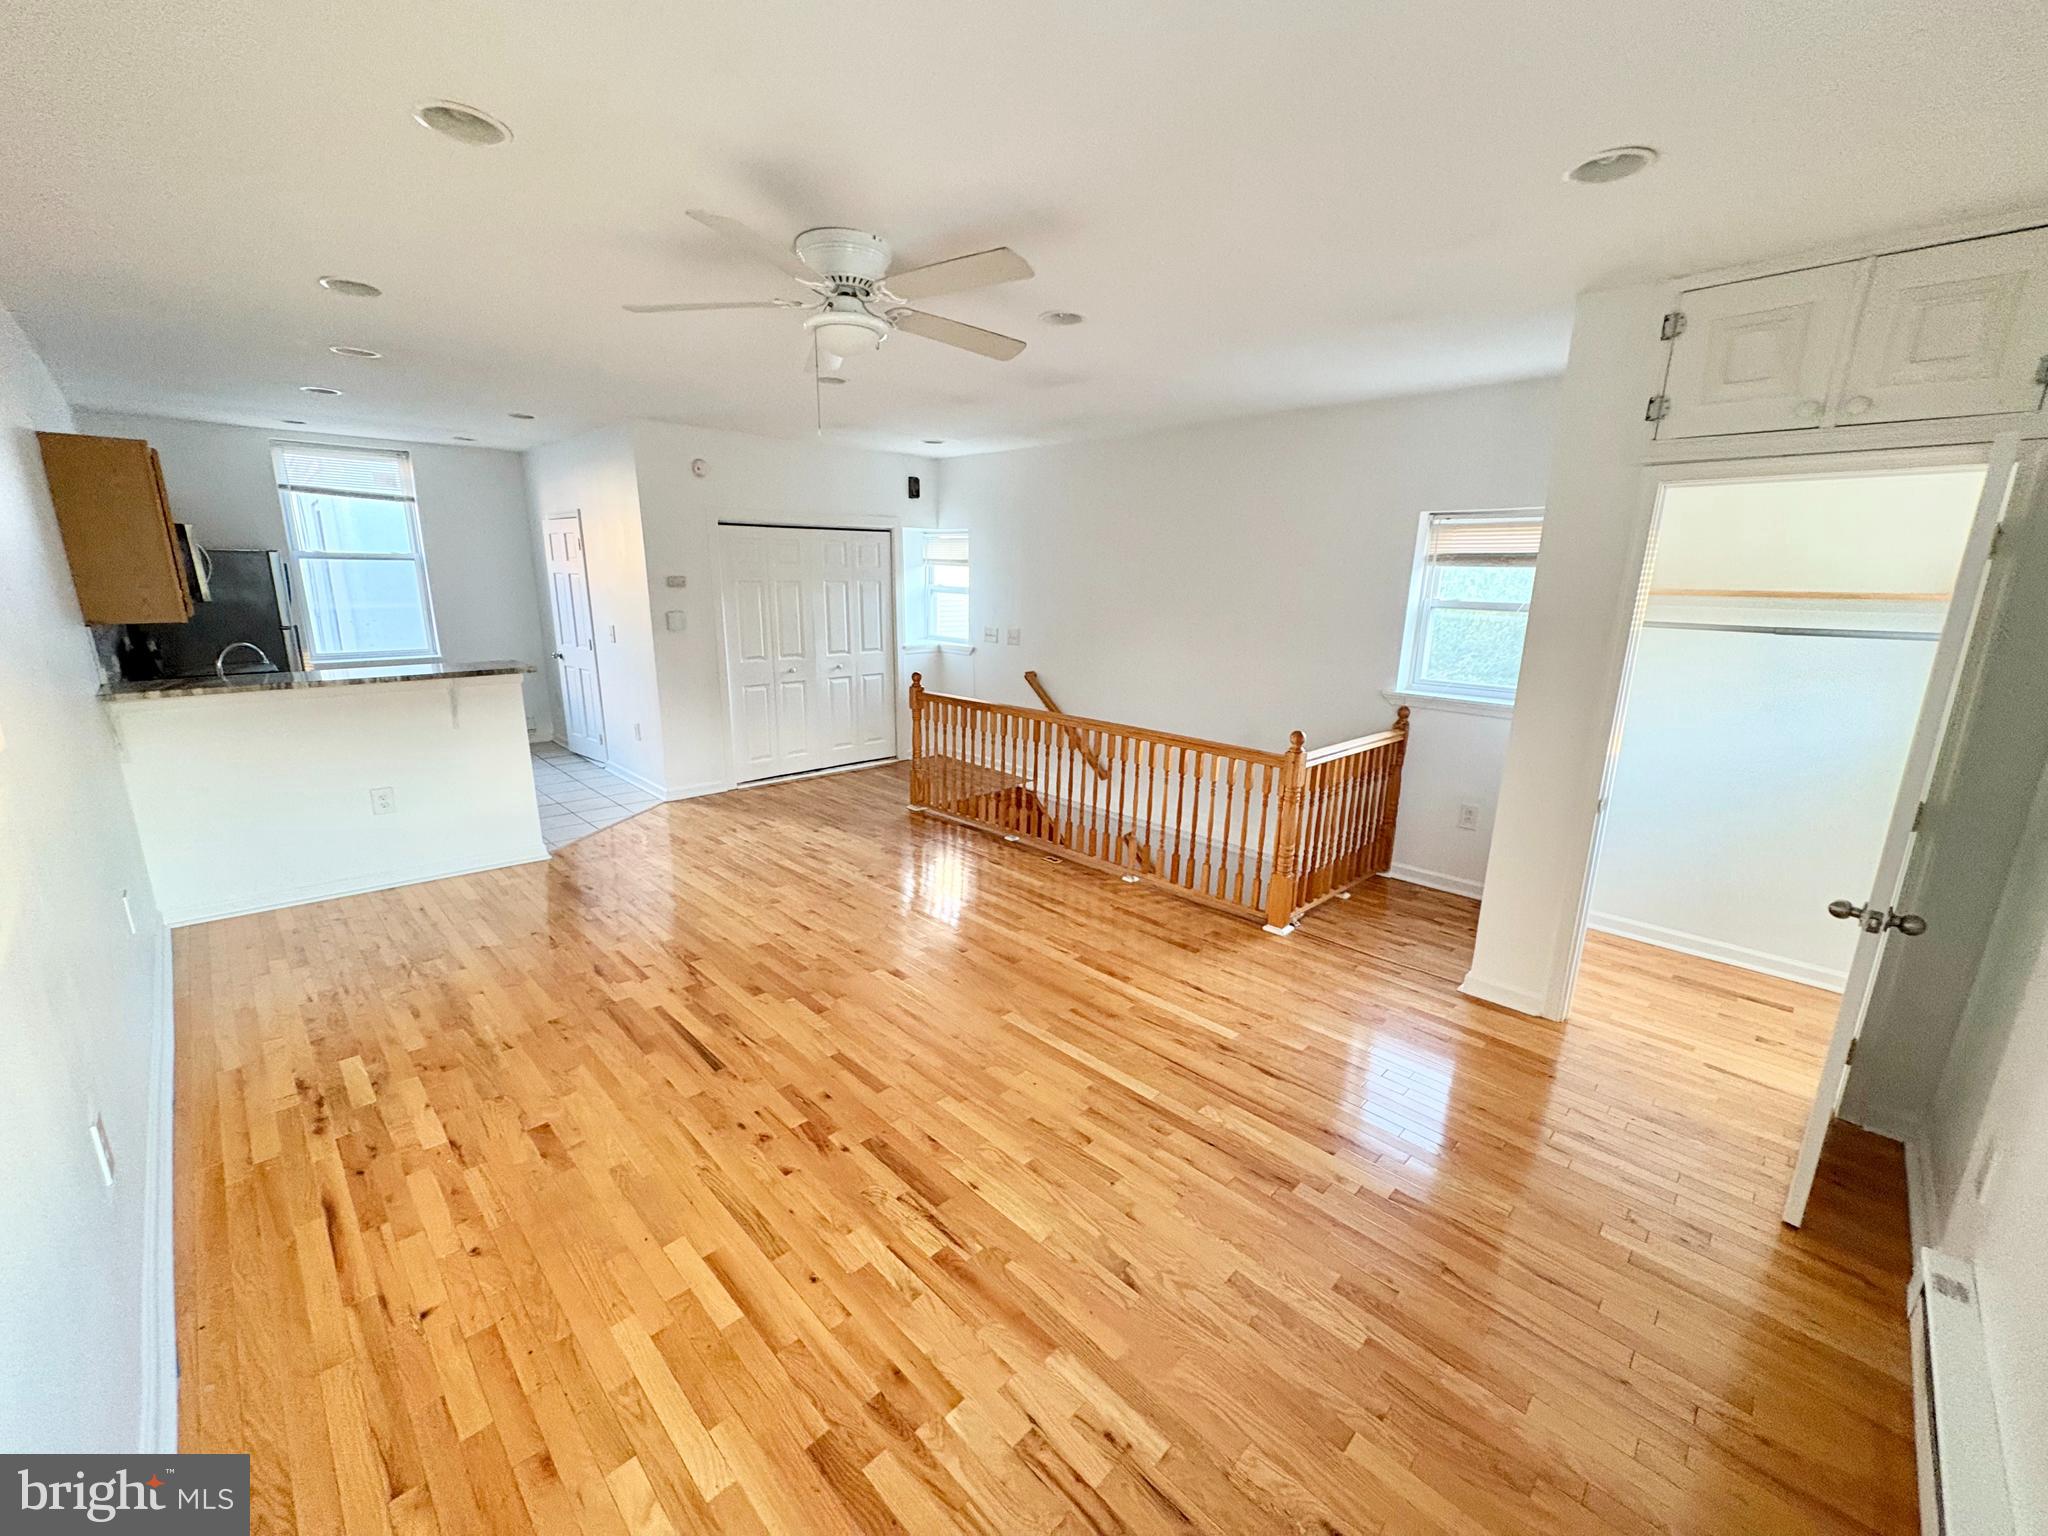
(808, 645)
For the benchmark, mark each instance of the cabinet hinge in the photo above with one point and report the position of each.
(1675, 322)
(1850, 1059)
(1919, 815)
(1658, 408)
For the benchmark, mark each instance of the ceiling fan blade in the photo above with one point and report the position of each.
(755, 244)
(969, 338)
(674, 309)
(984, 269)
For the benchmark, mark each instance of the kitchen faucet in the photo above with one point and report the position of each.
(220, 662)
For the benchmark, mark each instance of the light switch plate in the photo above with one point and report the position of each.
(675, 621)
(992, 636)
(1016, 636)
(677, 581)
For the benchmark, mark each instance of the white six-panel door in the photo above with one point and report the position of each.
(575, 636)
(808, 648)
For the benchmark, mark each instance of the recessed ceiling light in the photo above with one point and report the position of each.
(1613, 164)
(465, 125)
(317, 389)
(830, 378)
(354, 352)
(1062, 317)
(351, 287)
(520, 415)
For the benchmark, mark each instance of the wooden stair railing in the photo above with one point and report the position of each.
(1262, 835)
(1086, 752)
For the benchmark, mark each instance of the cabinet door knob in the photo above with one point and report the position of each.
(1856, 405)
(1807, 410)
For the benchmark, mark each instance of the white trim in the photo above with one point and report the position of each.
(1451, 704)
(644, 785)
(1963, 1443)
(157, 1432)
(1921, 1207)
(1436, 880)
(329, 891)
(704, 787)
(1513, 999)
(1784, 967)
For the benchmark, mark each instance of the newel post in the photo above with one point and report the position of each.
(1383, 841)
(917, 795)
(1280, 889)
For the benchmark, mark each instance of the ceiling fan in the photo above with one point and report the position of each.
(858, 300)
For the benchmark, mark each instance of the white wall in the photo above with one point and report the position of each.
(1757, 771)
(1249, 578)
(655, 518)
(85, 1003)
(1988, 1144)
(249, 801)
(480, 558)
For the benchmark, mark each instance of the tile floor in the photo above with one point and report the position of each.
(578, 796)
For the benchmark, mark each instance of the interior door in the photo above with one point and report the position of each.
(771, 651)
(1877, 915)
(575, 636)
(858, 695)
(1758, 356)
(1953, 330)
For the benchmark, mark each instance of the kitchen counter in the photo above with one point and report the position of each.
(319, 677)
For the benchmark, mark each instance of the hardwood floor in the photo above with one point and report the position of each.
(779, 1162)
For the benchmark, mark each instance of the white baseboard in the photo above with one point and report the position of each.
(1781, 966)
(157, 1430)
(1513, 998)
(707, 787)
(1923, 1214)
(299, 896)
(644, 785)
(1435, 880)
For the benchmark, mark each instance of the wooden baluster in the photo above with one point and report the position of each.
(1064, 746)
(1266, 775)
(1180, 805)
(1045, 738)
(1286, 838)
(1244, 827)
(1309, 824)
(1209, 829)
(1221, 888)
(1383, 855)
(916, 738)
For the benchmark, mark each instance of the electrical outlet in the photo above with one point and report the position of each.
(1016, 636)
(1468, 817)
(383, 801)
(676, 621)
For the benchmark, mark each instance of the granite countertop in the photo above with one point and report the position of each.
(319, 677)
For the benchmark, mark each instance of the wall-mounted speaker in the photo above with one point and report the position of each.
(916, 490)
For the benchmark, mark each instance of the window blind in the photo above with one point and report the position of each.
(946, 549)
(1484, 540)
(365, 472)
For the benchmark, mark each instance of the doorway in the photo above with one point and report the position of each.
(810, 660)
(575, 636)
(1793, 652)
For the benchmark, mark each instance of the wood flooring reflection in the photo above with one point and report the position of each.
(779, 1162)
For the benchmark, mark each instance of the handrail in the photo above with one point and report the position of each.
(1046, 699)
(1264, 835)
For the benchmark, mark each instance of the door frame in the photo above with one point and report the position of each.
(1627, 630)
(893, 646)
(554, 634)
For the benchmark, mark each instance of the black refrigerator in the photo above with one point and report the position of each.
(241, 595)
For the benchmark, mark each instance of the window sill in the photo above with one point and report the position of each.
(937, 648)
(1454, 704)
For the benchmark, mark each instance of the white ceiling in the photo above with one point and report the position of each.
(1257, 206)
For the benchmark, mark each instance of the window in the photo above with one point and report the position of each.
(945, 583)
(353, 526)
(1469, 607)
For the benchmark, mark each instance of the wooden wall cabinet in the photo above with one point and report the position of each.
(1922, 335)
(117, 528)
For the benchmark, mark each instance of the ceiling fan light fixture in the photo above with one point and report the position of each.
(354, 352)
(317, 389)
(847, 332)
(349, 287)
(1615, 164)
(1061, 317)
